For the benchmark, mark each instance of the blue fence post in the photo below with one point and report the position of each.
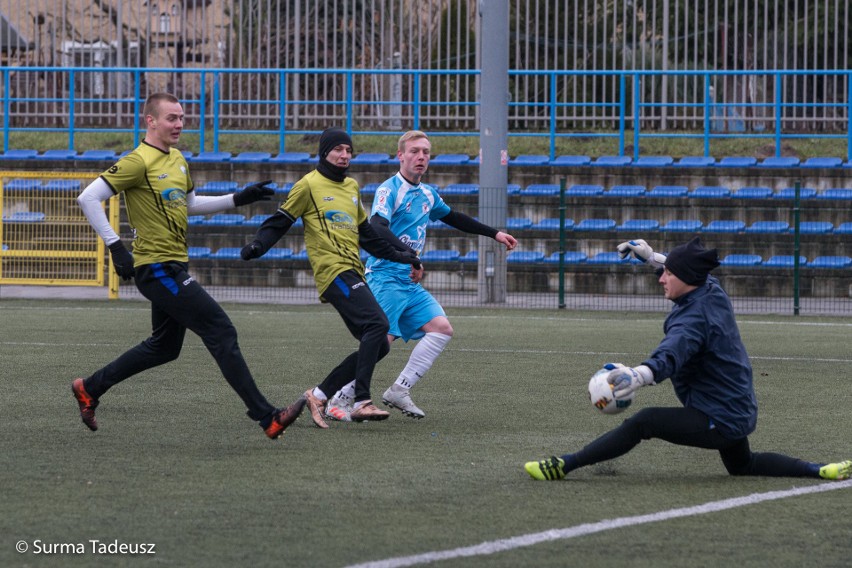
(552, 115)
(637, 84)
(622, 120)
(215, 112)
(349, 106)
(282, 111)
(849, 120)
(778, 122)
(71, 94)
(707, 114)
(416, 102)
(6, 107)
(137, 93)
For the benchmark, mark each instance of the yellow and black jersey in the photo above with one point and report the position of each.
(155, 184)
(331, 212)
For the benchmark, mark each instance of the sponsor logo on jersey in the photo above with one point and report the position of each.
(163, 176)
(174, 197)
(358, 285)
(340, 220)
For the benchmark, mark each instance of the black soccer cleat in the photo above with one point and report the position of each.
(87, 403)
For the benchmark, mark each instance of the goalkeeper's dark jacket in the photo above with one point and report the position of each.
(706, 360)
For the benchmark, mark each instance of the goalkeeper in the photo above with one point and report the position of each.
(704, 357)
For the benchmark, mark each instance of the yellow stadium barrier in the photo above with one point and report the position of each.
(46, 239)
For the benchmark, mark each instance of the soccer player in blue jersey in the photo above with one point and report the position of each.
(402, 207)
(703, 356)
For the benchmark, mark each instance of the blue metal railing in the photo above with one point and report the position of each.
(619, 118)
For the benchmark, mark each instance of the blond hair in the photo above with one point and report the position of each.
(410, 135)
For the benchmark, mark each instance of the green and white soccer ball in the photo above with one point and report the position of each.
(600, 393)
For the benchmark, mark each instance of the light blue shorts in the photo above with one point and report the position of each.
(409, 306)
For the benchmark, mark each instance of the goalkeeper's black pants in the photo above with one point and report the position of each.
(367, 322)
(179, 303)
(690, 427)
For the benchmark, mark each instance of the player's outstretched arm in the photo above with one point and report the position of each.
(269, 233)
(642, 251)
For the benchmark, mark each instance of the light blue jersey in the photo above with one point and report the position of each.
(408, 209)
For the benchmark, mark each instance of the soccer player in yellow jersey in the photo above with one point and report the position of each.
(336, 224)
(158, 196)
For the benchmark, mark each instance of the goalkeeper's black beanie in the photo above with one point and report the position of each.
(692, 262)
(330, 138)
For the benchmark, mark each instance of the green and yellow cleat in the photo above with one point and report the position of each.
(550, 469)
(836, 471)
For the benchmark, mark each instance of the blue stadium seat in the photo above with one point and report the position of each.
(211, 157)
(63, 184)
(595, 225)
(57, 155)
(654, 161)
(187, 155)
(626, 191)
(513, 189)
(724, 226)
(784, 261)
(524, 257)
(607, 258)
(97, 155)
(518, 223)
(571, 161)
(370, 158)
(790, 193)
(227, 253)
(815, 227)
(218, 187)
(195, 220)
(682, 226)
(571, 257)
(831, 262)
(301, 255)
(635, 225)
(768, 227)
(252, 157)
(541, 189)
(19, 154)
(284, 188)
(696, 161)
(256, 220)
(584, 190)
(198, 252)
(843, 228)
(552, 224)
(737, 162)
(752, 193)
(461, 189)
(25, 217)
(291, 158)
(835, 193)
(779, 162)
(710, 192)
(436, 224)
(470, 256)
(613, 161)
(370, 189)
(440, 255)
(741, 260)
(450, 159)
(225, 219)
(669, 191)
(529, 160)
(278, 253)
(821, 162)
(24, 184)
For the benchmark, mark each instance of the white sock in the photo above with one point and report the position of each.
(319, 394)
(348, 391)
(422, 357)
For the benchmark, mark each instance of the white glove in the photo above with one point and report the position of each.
(642, 251)
(626, 380)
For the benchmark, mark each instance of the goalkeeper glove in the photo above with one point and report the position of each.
(642, 251)
(254, 192)
(122, 260)
(626, 380)
(252, 250)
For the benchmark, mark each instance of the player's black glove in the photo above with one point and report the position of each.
(122, 260)
(409, 257)
(252, 250)
(254, 192)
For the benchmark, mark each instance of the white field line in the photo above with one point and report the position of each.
(502, 545)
